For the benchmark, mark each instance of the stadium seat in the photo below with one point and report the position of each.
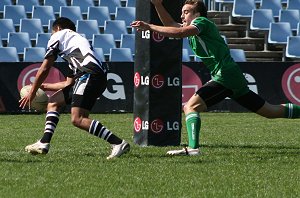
(185, 45)
(55, 4)
(20, 40)
(238, 55)
(3, 3)
(42, 39)
(14, 12)
(292, 16)
(100, 54)
(185, 55)
(293, 4)
(83, 4)
(50, 25)
(274, 5)
(111, 4)
(128, 41)
(34, 54)
(279, 32)
(104, 41)
(87, 27)
(120, 55)
(130, 3)
(1, 44)
(115, 27)
(32, 26)
(6, 26)
(8, 54)
(44, 13)
(292, 47)
(28, 4)
(243, 10)
(101, 14)
(71, 12)
(298, 29)
(125, 13)
(261, 19)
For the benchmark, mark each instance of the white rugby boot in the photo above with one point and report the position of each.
(119, 149)
(38, 148)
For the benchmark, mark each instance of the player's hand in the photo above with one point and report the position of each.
(140, 25)
(156, 2)
(26, 100)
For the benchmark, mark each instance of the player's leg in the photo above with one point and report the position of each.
(211, 93)
(256, 104)
(56, 101)
(87, 89)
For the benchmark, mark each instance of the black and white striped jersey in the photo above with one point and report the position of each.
(76, 50)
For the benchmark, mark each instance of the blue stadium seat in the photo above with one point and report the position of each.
(1, 44)
(88, 27)
(261, 19)
(292, 47)
(128, 41)
(130, 3)
(6, 26)
(83, 4)
(185, 45)
(111, 4)
(14, 12)
(20, 40)
(42, 39)
(8, 54)
(291, 15)
(3, 3)
(50, 25)
(100, 54)
(32, 26)
(120, 55)
(243, 10)
(101, 14)
(185, 55)
(298, 29)
(274, 5)
(115, 27)
(293, 4)
(55, 4)
(44, 13)
(28, 4)
(238, 55)
(71, 12)
(104, 41)
(125, 13)
(279, 32)
(34, 54)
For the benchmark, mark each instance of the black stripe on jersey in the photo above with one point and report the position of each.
(53, 50)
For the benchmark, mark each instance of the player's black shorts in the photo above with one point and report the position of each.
(213, 93)
(86, 90)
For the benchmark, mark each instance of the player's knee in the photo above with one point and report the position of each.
(76, 121)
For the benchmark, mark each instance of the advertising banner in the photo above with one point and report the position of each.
(157, 81)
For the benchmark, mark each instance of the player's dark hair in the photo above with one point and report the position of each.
(64, 23)
(199, 7)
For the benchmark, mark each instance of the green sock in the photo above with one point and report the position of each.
(193, 124)
(292, 111)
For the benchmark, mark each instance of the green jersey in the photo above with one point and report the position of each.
(215, 54)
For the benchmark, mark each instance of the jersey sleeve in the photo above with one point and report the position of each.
(53, 46)
(200, 24)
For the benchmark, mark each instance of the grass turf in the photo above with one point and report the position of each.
(242, 155)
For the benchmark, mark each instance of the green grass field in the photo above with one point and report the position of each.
(243, 155)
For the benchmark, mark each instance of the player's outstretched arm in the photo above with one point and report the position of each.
(39, 79)
(163, 15)
(57, 86)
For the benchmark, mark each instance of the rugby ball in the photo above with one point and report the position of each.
(40, 100)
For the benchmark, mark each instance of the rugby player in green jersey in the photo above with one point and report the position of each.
(227, 78)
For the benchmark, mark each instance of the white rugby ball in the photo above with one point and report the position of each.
(40, 100)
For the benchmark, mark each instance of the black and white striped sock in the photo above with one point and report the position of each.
(52, 118)
(97, 129)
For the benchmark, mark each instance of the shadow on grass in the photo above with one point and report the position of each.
(229, 146)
